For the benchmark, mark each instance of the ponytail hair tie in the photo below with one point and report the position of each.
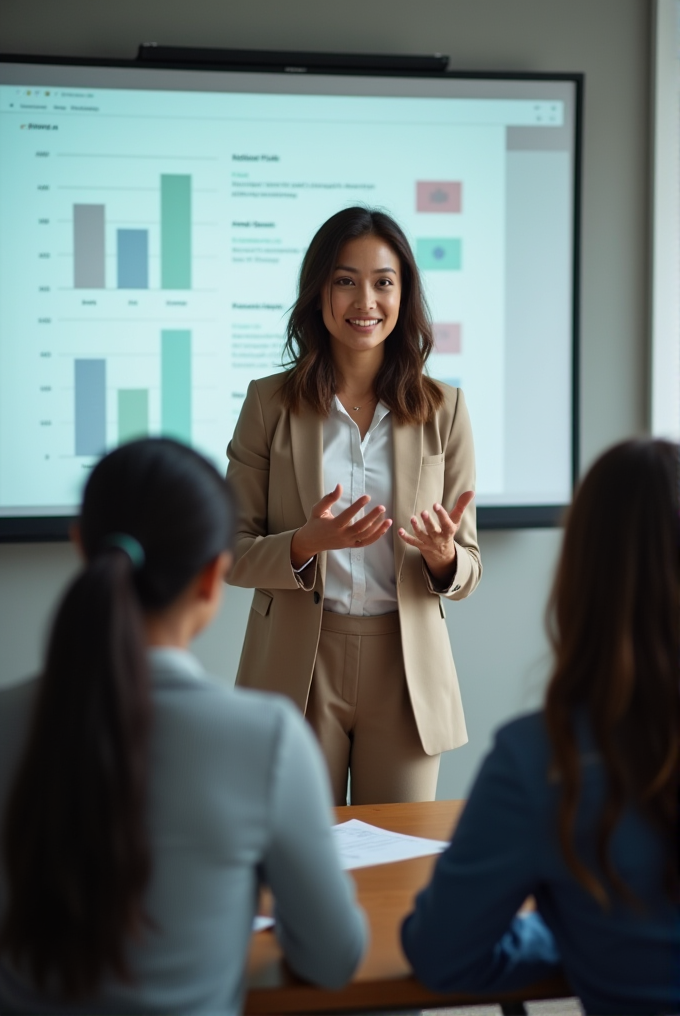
(129, 545)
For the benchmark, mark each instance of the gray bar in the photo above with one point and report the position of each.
(88, 247)
(90, 385)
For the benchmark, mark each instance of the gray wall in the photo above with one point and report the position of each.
(497, 634)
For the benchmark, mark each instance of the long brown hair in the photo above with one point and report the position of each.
(400, 384)
(76, 850)
(614, 623)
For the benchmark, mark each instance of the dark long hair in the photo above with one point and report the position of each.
(400, 384)
(614, 622)
(75, 845)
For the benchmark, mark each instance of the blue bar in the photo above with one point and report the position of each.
(133, 259)
(90, 403)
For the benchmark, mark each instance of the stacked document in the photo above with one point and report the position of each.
(361, 845)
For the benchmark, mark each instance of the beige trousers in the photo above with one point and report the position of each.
(360, 710)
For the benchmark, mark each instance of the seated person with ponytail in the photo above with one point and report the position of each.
(141, 802)
(578, 804)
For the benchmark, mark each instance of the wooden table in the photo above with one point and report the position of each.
(384, 979)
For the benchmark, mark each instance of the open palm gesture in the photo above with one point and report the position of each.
(434, 537)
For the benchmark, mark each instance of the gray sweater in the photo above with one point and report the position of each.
(238, 796)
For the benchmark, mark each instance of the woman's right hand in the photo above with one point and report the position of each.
(325, 531)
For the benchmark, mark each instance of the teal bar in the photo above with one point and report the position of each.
(133, 414)
(176, 385)
(175, 232)
(439, 254)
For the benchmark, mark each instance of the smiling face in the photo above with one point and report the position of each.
(360, 305)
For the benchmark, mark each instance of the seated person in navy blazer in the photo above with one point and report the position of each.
(141, 802)
(577, 804)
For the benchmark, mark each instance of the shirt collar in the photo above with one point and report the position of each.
(178, 661)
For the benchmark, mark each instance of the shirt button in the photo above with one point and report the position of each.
(316, 597)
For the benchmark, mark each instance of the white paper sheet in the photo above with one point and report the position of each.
(361, 845)
(261, 923)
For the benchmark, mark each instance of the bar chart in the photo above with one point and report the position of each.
(132, 245)
(133, 416)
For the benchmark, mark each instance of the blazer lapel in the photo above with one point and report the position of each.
(306, 439)
(408, 456)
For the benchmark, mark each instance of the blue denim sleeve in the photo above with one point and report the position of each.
(464, 932)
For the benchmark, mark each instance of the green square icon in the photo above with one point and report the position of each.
(439, 254)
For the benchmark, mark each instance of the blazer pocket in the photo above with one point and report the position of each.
(431, 483)
(261, 602)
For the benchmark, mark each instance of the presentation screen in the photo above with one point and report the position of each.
(152, 226)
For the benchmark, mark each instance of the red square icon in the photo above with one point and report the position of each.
(438, 195)
(446, 337)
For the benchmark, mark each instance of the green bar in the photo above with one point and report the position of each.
(133, 414)
(176, 385)
(175, 232)
(439, 254)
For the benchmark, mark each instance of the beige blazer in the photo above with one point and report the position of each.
(276, 467)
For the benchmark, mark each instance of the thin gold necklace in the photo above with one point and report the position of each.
(357, 408)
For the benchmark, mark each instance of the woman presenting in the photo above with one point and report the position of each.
(355, 473)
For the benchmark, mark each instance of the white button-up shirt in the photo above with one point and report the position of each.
(360, 580)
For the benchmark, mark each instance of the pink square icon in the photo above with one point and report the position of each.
(438, 195)
(446, 337)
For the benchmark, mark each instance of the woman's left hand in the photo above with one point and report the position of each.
(434, 537)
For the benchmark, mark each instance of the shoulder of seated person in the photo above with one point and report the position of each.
(525, 737)
(261, 709)
(17, 694)
(277, 708)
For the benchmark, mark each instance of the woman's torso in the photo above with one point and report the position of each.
(213, 770)
(276, 464)
(620, 953)
(465, 933)
(360, 580)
